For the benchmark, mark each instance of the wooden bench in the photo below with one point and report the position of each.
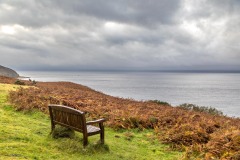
(75, 119)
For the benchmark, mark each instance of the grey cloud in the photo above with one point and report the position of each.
(39, 13)
(140, 12)
(87, 34)
(27, 13)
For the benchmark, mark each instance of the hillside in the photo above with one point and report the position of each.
(205, 135)
(20, 139)
(4, 71)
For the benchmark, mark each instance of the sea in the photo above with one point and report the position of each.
(218, 90)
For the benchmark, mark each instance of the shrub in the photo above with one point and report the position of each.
(193, 107)
(160, 102)
(34, 82)
(18, 82)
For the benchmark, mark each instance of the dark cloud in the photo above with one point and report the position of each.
(125, 34)
(40, 13)
(139, 12)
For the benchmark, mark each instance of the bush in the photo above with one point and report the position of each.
(33, 82)
(18, 82)
(193, 107)
(160, 102)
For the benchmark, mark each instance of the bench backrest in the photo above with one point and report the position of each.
(68, 117)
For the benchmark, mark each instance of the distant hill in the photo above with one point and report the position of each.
(7, 72)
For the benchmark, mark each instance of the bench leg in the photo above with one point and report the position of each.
(85, 140)
(102, 133)
(52, 128)
(102, 137)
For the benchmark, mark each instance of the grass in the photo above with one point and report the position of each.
(26, 136)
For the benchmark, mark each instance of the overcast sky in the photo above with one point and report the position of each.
(120, 34)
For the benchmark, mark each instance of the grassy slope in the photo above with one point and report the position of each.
(26, 136)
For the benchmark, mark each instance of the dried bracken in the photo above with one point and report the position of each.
(212, 136)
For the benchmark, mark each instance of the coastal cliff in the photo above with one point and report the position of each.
(7, 72)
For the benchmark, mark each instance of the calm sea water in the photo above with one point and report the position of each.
(219, 90)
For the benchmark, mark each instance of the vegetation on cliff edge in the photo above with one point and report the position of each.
(201, 134)
(25, 135)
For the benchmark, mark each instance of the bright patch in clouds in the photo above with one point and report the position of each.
(193, 29)
(6, 7)
(114, 28)
(14, 29)
(8, 30)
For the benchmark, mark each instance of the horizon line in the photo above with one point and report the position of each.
(132, 70)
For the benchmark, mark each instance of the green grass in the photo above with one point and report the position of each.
(26, 136)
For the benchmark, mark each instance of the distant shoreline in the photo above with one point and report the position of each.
(117, 71)
(23, 77)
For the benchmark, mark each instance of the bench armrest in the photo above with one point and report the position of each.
(96, 121)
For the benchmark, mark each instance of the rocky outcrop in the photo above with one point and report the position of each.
(7, 72)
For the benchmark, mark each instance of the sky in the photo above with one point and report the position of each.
(120, 34)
